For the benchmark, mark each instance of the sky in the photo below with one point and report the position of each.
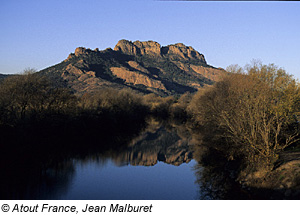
(39, 33)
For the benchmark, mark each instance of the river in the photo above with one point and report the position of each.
(156, 164)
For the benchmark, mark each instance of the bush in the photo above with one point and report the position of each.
(249, 116)
(159, 106)
(28, 97)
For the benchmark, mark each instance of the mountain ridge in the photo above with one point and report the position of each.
(146, 67)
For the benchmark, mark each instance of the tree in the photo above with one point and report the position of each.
(250, 115)
(30, 95)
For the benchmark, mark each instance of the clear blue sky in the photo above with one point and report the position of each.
(40, 33)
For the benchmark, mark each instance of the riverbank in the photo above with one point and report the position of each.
(282, 182)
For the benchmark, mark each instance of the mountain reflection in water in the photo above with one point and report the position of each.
(154, 164)
(155, 144)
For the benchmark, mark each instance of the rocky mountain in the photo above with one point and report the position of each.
(146, 67)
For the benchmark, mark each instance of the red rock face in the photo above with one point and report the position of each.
(126, 47)
(177, 51)
(183, 52)
(80, 51)
(146, 67)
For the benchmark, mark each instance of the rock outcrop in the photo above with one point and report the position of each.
(136, 78)
(177, 51)
(209, 73)
(126, 47)
(138, 48)
(181, 52)
(146, 67)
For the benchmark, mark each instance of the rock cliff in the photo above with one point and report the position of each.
(146, 67)
(177, 51)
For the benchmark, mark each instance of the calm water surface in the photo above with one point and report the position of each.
(94, 180)
(155, 164)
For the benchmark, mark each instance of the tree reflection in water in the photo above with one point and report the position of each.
(216, 180)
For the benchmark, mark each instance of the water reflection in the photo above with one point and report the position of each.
(155, 160)
(156, 143)
(50, 172)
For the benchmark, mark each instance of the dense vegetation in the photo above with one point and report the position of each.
(31, 102)
(249, 117)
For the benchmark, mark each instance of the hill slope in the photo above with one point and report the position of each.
(142, 66)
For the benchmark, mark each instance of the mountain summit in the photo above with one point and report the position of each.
(173, 52)
(146, 67)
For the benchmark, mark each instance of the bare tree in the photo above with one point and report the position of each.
(253, 113)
